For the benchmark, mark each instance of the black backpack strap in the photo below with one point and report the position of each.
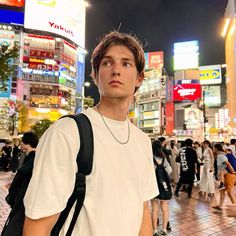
(84, 162)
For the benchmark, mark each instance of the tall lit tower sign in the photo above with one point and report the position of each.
(186, 55)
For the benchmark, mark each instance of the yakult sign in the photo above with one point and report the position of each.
(186, 92)
(65, 18)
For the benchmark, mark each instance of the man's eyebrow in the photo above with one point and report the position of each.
(123, 59)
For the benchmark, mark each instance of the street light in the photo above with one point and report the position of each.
(86, 84)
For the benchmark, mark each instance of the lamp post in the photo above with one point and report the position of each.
(204, 114)
(86, 84)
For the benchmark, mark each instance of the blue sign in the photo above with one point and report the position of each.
(11, 17)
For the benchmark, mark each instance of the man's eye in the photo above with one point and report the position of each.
(106, 63)
(127, 64)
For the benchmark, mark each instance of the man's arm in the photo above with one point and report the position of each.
(39, 227)
(230, 167)
(146, 226)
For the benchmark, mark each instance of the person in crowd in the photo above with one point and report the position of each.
(207, 183)
(16, 152)
(123, 160)
(232, 146)
(175, 165)
(188, 167)
(198, 149)
(23, 175)
(161, 199)
(165, 148)
(223, 165)
(6, 155)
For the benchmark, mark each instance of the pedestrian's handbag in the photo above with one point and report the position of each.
(15, 221)
(163, 181)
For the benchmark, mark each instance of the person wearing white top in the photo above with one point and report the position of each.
(123, 177)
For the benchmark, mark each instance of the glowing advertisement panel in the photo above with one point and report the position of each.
(153, 60)
(13, 3)
(65, 18)
(170, 121)
(192, 118)
(212, 96)
(186, 55)
(186, 92)
(210, 74)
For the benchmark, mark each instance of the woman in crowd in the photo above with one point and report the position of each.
(175, 166)
(164, 195)
(207, 184)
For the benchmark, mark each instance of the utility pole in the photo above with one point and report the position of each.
(204, 114)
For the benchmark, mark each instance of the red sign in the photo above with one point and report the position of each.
(155, 60)
(15, 3)
(39, 66)
(170, 121)
(186, 92)
(41, 54)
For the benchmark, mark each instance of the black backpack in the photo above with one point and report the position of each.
(15, 221)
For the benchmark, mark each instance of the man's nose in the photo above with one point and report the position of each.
(116, 69)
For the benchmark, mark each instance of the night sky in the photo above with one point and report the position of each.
(159, 24)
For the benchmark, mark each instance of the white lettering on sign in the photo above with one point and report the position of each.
(61, 28)
(186, 92)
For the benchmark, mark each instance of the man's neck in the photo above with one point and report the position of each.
(113, 109)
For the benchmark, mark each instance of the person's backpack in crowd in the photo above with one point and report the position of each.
(15, 221)
(163, 181)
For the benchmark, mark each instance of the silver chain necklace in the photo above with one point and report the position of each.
(112, 132)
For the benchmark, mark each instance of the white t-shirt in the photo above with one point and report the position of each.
(122, 178)
(221, 159)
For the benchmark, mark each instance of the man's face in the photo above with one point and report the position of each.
(24, 147)
(118, 76)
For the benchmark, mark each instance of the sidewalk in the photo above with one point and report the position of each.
(193, 216)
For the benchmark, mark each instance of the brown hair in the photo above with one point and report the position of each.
(117, 38)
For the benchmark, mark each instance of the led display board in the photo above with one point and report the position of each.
(13, 3)
(153, 60)
(186, 55)
(192, 118)
(186, 92)
(212, 96)
(210, 74)
(65, 18)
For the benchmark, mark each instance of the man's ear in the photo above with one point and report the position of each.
(139, 80)
(94, 78)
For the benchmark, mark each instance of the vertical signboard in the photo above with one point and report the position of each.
(170, 122)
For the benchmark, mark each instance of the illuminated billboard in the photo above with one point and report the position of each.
(212, 96)
(186, 55)
(65, 18)
(153, 60)
(210, 74)
(186, 92)
(192, 118)
(13, 3)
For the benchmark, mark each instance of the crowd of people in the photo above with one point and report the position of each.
(211, 166)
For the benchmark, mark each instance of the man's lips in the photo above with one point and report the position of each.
(115, 82)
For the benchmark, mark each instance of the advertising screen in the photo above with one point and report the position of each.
(192, 118)
(186, 55)
(65, 18)
(153, 60)
(170, 122)
(210, 74)
(13, 3)
(212, 96)
(186, 92)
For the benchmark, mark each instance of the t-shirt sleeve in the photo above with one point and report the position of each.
(54, 170)
(150, 183)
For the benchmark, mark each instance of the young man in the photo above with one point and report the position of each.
(227, 174)
(188, 167)
(123, 177)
